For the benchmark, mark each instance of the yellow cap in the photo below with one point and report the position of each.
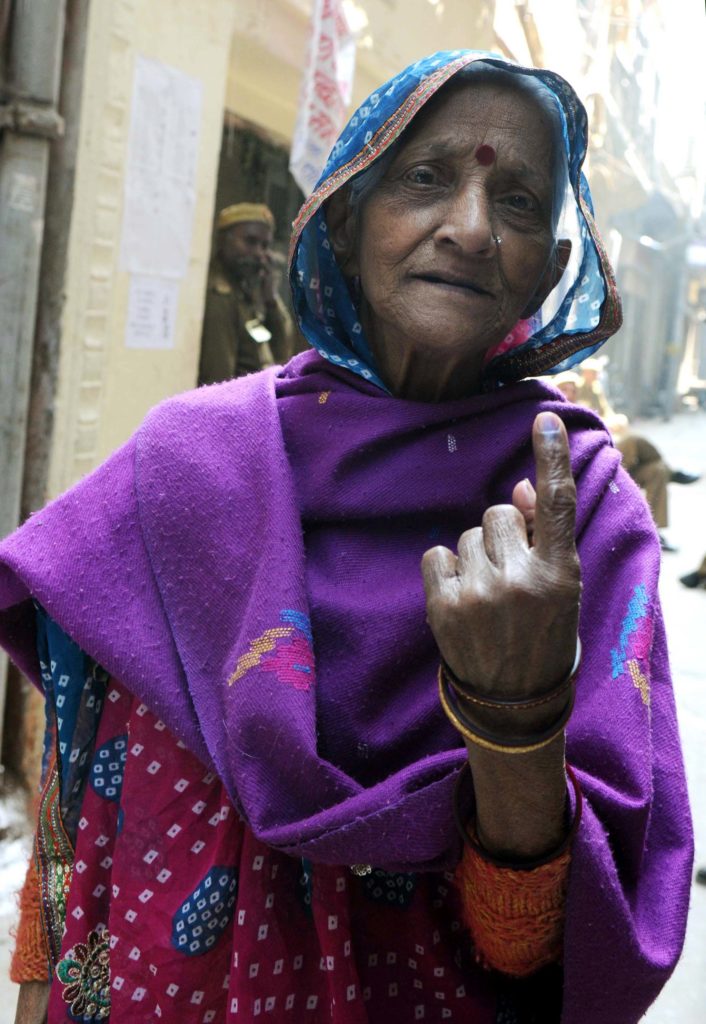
(241, 213)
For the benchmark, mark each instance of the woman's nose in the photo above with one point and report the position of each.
(467, 222)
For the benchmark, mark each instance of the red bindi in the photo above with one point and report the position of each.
(485, 155)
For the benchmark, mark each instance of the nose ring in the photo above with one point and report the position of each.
(497, 240)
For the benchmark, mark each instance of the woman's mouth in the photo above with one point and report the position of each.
(455, 283)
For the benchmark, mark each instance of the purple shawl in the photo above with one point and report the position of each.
(248, 566)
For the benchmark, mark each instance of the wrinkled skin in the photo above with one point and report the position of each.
(32, 1003)
(504, 611)
(438, 291)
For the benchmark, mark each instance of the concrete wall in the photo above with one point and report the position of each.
(104, 388)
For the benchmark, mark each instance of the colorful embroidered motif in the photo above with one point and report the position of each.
(640, 681)
(284, 650)
(85, 973)
(635, 643)
(55, 857)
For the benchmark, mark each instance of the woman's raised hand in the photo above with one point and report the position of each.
(504, 612)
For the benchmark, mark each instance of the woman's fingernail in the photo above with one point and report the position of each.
(548, 424)
(529, 491)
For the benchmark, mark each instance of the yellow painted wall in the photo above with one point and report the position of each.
(104, 388)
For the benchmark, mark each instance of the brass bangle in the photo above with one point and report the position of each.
(468, 694)
(491, 741)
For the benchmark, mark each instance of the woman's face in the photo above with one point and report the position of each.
(435, 281)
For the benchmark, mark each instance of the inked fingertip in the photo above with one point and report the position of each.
(548, 424)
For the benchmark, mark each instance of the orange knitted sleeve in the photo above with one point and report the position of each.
(515, 917)
(515, 914)
(45, 891)
(30, 960)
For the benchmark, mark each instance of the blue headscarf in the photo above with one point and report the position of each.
(581, 312)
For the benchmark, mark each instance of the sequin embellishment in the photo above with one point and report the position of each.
(85, 974)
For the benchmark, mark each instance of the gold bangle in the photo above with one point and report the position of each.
(466, 692)
(490, 741)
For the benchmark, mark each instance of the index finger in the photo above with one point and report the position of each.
(555, 514)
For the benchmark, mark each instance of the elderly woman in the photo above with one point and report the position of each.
(286, 777)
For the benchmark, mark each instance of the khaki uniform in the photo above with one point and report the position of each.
(593, 396)
(649, 471)
(227, 348)
(640, 457)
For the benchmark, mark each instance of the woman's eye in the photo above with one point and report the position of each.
(422, 176)
(521, 202)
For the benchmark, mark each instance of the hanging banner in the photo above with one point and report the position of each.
(326, 92)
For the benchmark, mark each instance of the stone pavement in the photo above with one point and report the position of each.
(683, 442)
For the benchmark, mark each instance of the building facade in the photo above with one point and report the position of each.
(114, 326)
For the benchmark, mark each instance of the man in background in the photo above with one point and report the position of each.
(643, 461)
(590, 389)
(246, 326)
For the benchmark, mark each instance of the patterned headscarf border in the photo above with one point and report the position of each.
(590, 310)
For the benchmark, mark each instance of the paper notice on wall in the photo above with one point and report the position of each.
(151, 312)
(160, 178)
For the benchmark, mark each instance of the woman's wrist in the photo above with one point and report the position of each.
(32, 1002)
(515, 750)
(467, 825)
(520, 801)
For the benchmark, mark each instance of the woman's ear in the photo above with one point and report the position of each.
(342, 232)
(550, 278)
